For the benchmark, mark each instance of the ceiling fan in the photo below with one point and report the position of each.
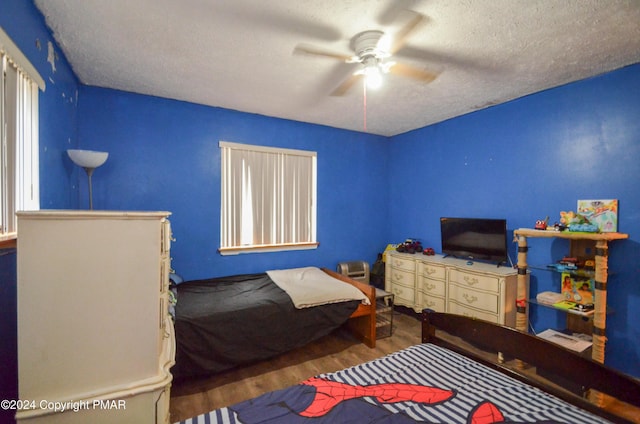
(373, 50)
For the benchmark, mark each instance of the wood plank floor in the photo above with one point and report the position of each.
(331, 353)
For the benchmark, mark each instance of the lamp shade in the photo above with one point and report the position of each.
(87, 158)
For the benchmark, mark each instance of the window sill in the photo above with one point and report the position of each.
(8, 241)
(227, 251)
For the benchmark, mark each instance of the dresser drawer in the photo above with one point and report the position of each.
(479, 300)
(476, 281)
(431, 270)
(454, 308)
(431, 287)
(435, 303)
(404, 278)
(404, 295)
(404, 264)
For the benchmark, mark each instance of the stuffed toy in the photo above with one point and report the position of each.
(577, 222)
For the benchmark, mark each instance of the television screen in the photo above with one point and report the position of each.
(474, 238)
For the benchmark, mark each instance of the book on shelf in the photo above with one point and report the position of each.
(575, 308)
(577, 289)
(549, 297)
(569, 341)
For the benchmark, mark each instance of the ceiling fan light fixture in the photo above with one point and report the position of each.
(373, 77)
(372, 72)
(373, 52)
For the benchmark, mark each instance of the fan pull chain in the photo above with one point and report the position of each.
(364, 89)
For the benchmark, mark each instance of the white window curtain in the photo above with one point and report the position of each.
(19, 161)
(268, 198)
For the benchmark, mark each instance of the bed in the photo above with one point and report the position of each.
(447, 379)
(224, 322)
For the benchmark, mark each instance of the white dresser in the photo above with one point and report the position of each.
(94, 334)
(480, 290)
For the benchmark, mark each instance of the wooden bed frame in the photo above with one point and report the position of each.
(525, 357)
(363, 321)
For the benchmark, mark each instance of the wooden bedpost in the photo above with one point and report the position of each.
(363, 321)
(428, 331)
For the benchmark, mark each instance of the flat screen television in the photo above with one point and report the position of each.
(474, 238)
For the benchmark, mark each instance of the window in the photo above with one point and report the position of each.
(268, 199)
(19, 175)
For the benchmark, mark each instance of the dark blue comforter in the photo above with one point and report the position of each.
(224, 322)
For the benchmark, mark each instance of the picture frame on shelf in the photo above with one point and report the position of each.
(602, 213)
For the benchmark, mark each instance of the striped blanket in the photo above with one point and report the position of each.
(423, 383)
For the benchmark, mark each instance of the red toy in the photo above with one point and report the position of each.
(541, 225)
(429, 251)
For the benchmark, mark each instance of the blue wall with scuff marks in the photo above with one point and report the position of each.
(58, 179)
(528, 159)
(24, 24)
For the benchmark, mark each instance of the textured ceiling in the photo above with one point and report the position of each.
(238, 54)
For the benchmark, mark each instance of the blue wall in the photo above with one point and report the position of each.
(528, 159)
(58, 103)
(164, 155)
(58, 119)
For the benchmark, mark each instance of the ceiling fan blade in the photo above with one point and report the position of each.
(403, 35)
(342, 89)
(393, 10)
(307, 49)
(412, 72)
(264, 16)
(433, 55)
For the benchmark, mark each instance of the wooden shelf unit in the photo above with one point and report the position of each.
(578, 243)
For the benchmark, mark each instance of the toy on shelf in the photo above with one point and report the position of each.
(410, 246)
(577, 223)
(429, 251)
(541, 224)
(576, 266)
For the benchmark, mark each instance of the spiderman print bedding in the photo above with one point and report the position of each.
(423, 383)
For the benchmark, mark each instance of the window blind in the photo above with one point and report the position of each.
(268, 198)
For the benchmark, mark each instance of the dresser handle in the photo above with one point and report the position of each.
(399, 276)
(470, 299)
(430, 271)
(471, 280)
(166, 334)
(429, 287)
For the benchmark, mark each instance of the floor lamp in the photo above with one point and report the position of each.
(89, 160)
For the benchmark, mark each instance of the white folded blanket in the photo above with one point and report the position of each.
(310, 286)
